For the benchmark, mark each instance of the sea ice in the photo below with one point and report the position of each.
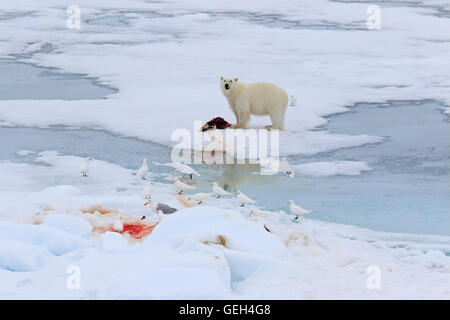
(20, 256)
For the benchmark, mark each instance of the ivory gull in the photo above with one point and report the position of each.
(85, 167)
(243, 199)
(219, 191)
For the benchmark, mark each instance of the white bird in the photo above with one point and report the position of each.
(183, 168)
(118, 225)
(219, 191)
(85, 167)
(199, 197)
(297, 210)
(147, 193)
(277, 165)
(292, 101)
(143, 170)
(181, 186)
(243, 199)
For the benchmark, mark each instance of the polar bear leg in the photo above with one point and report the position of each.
(243, 119)
(242, 108)
(236, 114)
(277, 117)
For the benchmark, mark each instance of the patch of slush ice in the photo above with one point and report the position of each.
(350, 168)
(124, 151)
(20, 81)
(447, 111)
(24, 152)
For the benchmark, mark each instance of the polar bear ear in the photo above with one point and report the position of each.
(236, 79)
(221, 78)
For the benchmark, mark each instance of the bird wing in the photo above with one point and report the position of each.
(245, 198)
(303, 211)
(165, 208)
(186, 186)
(189, 170)
(170, 164)
(219, 190)
(265, 163)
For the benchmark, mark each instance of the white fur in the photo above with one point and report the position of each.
(258, 98)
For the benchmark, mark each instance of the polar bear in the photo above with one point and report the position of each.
(258, 98)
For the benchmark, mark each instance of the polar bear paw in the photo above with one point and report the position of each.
(273, 128)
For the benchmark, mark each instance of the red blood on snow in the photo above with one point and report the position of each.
(137, 231)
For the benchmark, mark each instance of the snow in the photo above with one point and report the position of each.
(248, 248)
(155, 273)
(319, 169)
(20, 256)
(213, 251)
(53, 239)
(201, 224)
(112, 242)
(69, 223)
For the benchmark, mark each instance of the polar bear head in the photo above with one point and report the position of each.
(227, 84)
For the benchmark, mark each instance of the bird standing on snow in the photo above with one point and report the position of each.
(183, 168)
(180, 186)
(147, 193)
(199, 197)
(297, 210)
(85, 167)
(143, 170)
(292, 101)
(278, 165)
(218, 191)
(243, 199)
